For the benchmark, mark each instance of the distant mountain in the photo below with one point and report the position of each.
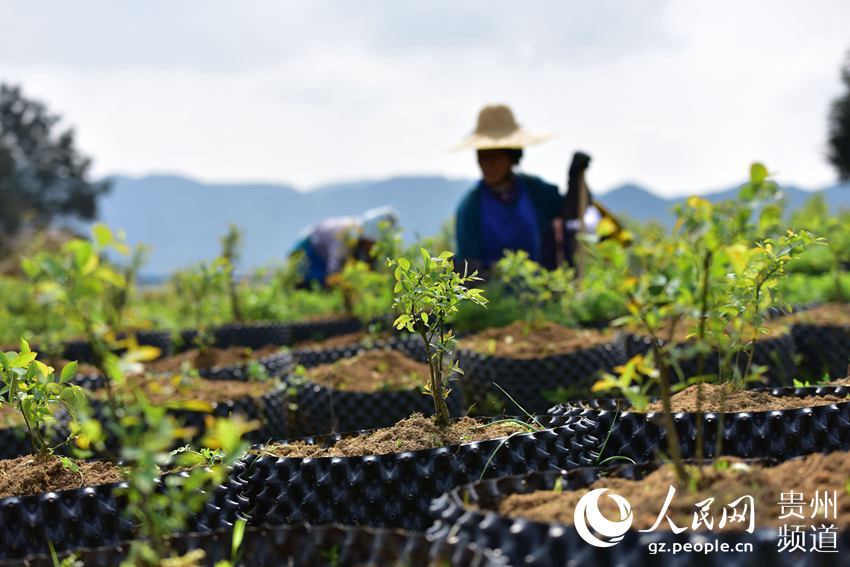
(182, 219)
(638, 203)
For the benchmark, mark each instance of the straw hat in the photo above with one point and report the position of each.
(498, 129)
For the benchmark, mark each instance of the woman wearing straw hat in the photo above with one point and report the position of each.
(506, 210)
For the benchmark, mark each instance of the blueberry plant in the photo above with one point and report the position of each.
(202, 289)
(76, 283)
(536, 288)
(231, 254)
(716, 276)
(34, 391)
(425, 295)
(366, 293)
(815, 216)
(162, 505)
(120, 296)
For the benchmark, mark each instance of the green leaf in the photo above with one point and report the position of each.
(69, 464)
(68, 371)
(758, 173)
(102, 235)
(23, 360)
(110, 276)
(404, 264)
(238, 536)
(190, 405)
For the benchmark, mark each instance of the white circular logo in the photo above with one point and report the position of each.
(587, 513)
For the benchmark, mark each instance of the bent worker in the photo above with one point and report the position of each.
(506, 210)
(328, 244)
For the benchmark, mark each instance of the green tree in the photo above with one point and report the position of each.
(42, 175)
(839, 127)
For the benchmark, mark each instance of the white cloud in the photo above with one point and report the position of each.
(680, 96)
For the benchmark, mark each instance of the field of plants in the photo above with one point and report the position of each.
(416, 413)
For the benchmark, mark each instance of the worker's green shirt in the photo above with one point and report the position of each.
(545, 198)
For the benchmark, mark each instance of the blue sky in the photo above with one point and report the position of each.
(679, 96)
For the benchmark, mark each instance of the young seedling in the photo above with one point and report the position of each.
(709, 271)
(231, 254)
(633, 381)
(536, 288)
(77, 283)
(815, 216)
(202, 289)
(424, 297)
(367, 293)
(120, 295)
(147, 432)
(33, 390)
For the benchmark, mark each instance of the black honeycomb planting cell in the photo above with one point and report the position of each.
(468, 514)
(331, 546)
(780, 434)
(392, 490)
(535, 384)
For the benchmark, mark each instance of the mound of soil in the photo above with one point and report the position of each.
(177, 389)
(727, 399)
(412, 434)
(830, 315)
(25, 476)
(210, 358)
(82, 369)
(518, 340)
(808, 477)
(343, 340)
(372, 371)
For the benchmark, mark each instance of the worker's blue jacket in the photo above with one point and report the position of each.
(471, 227)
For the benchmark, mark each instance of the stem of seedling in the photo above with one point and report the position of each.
(703, 321)
(669, 423)
(663, 364)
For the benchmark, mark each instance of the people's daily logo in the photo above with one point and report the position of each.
(596, 529)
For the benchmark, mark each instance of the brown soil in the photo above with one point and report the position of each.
(343, 340)
(25, 476)
(210, 358)
(727, 399)
(181, 389)
(411, 434)
(371, 371)
(809, 476)
(517, 340)
(831, 314)
(82, 369)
